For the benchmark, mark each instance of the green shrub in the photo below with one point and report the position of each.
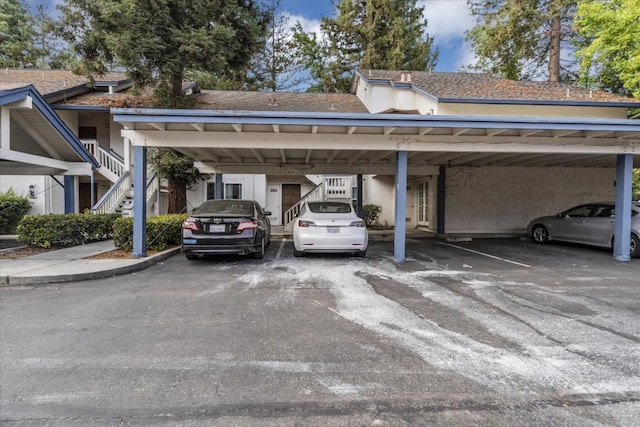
(12, 209)
(64, 230)
(371, 214)
(162, 231)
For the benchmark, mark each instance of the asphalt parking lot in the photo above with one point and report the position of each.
(487, 332)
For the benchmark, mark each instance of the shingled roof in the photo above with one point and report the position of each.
(451, 87)
(51, 82)
(279, 101)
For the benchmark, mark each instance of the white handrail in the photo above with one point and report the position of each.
(114, 167)
(110, 162)
(292, 213)
(110, 201)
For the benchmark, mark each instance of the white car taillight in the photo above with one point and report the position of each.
(190, 224)
(305, 223)
(359, 223)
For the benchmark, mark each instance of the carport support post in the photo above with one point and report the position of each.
(359, 191)
(401, 208)
(139, 202)
(218, 190)
(69, 192)
(622, 236)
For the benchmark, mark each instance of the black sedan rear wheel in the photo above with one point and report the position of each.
(540, 234)
(190, 256)
(259, 254)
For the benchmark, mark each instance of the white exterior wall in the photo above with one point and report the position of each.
(70, 118)
(253, 187)
(511, 110)
(378, 98)
(116, 141)
(505, 199)
(49, 196)
(380, 190)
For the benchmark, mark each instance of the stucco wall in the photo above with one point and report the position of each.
(253, 187)
(504, 200)
(380, 190)
(49, 197)
(512, 110)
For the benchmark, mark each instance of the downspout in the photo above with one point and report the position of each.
(93, 196)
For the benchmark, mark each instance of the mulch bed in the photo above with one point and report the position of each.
(17, 253)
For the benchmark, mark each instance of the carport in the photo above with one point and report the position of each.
(395, 144)
(35, 141)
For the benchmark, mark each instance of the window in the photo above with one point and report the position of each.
(233, 191)
(580, 211)
(87, 132)
(211, 190)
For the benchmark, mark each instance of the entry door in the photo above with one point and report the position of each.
(290, 196)
(84, 195)
(273, 203)
(423, 203)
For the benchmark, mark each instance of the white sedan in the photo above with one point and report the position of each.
(329, 227)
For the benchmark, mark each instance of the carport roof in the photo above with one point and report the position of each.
(365, 143)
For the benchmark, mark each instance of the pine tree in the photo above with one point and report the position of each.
(381, 34)
(157, 41)
(17, 36)
(522, 39)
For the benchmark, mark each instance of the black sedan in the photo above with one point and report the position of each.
(239, 227)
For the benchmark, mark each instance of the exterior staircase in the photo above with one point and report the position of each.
(331, 187)
(119, 197)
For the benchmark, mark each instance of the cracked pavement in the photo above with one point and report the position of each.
(494, 332)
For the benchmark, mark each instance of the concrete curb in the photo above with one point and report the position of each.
(140, 264)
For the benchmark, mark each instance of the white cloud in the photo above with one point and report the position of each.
(447, 22)
(447, 19)
(308, 25)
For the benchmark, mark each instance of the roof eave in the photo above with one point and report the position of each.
(49, 114)
(136, 115)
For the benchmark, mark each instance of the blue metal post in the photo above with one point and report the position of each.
(69, 194)
(624, 179)
(359, 196)
(219, 190)
(442, 186)
(139, 202)
(399, 238)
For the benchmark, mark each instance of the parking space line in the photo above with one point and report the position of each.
(280, 249)
(487, 255)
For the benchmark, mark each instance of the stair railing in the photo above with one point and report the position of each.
(292, 213)
(111, 164)
(116, 194)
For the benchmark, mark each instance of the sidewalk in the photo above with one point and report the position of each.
(70, 264)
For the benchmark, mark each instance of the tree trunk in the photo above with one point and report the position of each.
(177, 197)
(554, 49)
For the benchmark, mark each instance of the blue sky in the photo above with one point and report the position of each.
(447, 22)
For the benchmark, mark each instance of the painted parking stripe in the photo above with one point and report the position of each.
(487, 255)
(280, 248)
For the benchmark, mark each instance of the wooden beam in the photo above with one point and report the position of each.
(259, 156)
(198, 126)
(232, 155)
